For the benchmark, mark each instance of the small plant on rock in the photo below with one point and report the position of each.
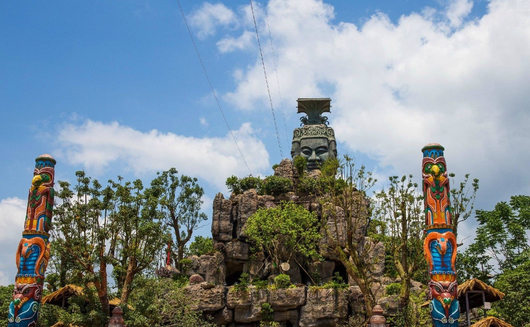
(282, 281)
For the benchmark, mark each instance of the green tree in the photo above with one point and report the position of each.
(180, 200)
(286, 229)
(462, 200)
(502, 234)
(400, 208)
(6, 296)
(201, 245)
(96, 227)
(515, 306)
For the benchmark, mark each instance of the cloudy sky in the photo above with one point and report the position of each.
(116, 88)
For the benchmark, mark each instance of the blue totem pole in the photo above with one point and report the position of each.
(33, 250)
(439, 246)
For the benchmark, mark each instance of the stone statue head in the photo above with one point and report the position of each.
(314, 141)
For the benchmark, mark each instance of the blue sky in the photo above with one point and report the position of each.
(116, 88)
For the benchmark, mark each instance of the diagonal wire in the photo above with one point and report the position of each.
(276, 72)
(211, 87)
(266, 80)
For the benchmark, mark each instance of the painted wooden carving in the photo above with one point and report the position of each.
(33, 249)
(440, 241)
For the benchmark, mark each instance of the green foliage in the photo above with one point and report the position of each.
(180, 202)
(233, 185)
(328, 182)
(412, 315)
(201, 245)
(163, 303)
(260, 284)
(240, 185)
(300, 164)
(501, 235)
(6, 296)
(287, 228)
(81, 311)
(185, 264)
(393, 289)
(462, 200)
(267, 313)
(515, 306)
(244, 282)
(275, 166)
(276, 185)
(282, 281)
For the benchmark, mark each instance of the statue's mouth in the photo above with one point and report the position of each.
(313, 165)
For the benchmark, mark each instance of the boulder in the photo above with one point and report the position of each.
(237, 250)
(247, 304)
(246, 206)
(207, 298)
(284, 299)
(324, 308)
(223, 317)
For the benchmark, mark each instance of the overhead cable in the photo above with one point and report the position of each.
(266, 80)
(211, 87)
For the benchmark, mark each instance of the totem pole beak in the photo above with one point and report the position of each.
(436, 170)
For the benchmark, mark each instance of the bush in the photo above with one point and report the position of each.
(276, 185)
(393, 289)
(185, 265)
(240, 185)
(267, 313)
(201, 245)
(300, 164)
(244, 281)
(282, 281)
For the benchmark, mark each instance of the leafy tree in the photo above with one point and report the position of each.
(201, 245)
(162, 302)
(502, 234)
(96, 227)
(400, 208)
(180, 200)
(515, 306)
(462, 200)
(287, 228)
(6, 296)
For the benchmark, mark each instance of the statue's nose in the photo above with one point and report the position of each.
(313, 157)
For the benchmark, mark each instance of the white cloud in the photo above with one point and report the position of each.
(209, 16)
(458, 10)
(12, 215)
(398, 86)
(96, 145)
(242, 42)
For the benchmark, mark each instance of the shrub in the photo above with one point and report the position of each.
(240, 185)
(232, 183)
(201, 245)
(260, 284)
(185, 264)
(244, 281)
(393, 289)
(275, 166)
(267, 313)
(276, 185)
(300, 164)
(282, 281)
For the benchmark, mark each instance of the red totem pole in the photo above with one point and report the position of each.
(440, 242)
(34, 248)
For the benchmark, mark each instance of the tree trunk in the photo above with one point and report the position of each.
(126, 290)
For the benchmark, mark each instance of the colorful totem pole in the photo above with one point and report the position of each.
(33, 250)
(440, 242)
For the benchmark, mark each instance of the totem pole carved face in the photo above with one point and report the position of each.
(444, 305)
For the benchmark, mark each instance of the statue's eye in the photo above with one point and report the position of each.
(428, 168)
(442, 168)
(306, 151)
(438, 289)
(321, 150)
(26, 291)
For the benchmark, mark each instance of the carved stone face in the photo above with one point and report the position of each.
(316, 151)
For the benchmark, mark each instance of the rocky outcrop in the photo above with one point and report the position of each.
(324, 308)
